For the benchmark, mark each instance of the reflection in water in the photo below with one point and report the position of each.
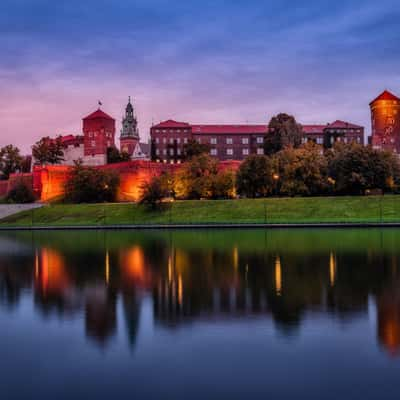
(206, 276)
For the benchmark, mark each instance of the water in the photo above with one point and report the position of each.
(284, 314)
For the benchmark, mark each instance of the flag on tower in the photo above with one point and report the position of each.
(100, 103)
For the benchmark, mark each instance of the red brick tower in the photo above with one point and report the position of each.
(385, 118)
(99, 134)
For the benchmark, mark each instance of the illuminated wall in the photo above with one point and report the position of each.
(385, 119)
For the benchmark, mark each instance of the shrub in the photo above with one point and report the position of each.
(21, 193)
(91, 185)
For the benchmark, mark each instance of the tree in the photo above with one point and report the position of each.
(116, 156)
(356, 168)
(91, 185)
(193, 148)
(155, 191)
(302, 171)
(283, 132)
(48, 151)
(223, 185)
(194, 180)
(255, 176)
(10, 161)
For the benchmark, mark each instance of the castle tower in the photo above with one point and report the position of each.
(129, 132)
(99, 134)
(385, 118)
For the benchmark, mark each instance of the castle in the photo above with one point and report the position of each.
(99, 130)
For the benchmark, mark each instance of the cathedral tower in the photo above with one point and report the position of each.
(129, 132)
(385, 118)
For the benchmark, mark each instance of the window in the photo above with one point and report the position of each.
(158, 152)
(164, 140)
(157, 130)
(171, 152)
(213, 152)
(213, 140)
(229, 152)
(228, 140)
(164, 131)
(260, 151)
(178, 151)
(320, 140)
(185, 140)
(90, 134)
(171, 140)
(165, 152)
(93, 143)
(157, 140)
(245, 152)
(260, 140)
(108, 143)
(178, 140)
(245, 140)
(198, 140)
(358, 140)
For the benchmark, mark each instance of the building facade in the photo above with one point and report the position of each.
(236, 142)
(385, 121)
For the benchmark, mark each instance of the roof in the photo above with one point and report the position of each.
(145, 148)
(343, 125)
(229, 129)
(98, 114)
(385, 95)
(171, 124)
(310, 129)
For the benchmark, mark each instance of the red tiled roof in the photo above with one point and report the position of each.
(310, 129)
(171, 124)
(342, 125)
(98, 114)
(386, 95)
(229, 129)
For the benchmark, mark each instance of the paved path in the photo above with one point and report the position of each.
(10, 209)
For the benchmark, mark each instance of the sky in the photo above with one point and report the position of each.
(209, 61)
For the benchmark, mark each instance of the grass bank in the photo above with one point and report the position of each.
(246, 211)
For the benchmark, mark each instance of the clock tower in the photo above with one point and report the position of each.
(129, 132)
(385, 118)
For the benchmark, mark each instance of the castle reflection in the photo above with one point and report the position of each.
(194, 277)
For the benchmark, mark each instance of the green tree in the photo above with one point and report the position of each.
(21, 192)
(255, 176)
(302, 171)
(155, 191)
(48, 151)
(223, 185)
(193, 148)
(91, 185)
(10, 161)
(283, 132)
(194, 180)
(116, 156)
(356, 168)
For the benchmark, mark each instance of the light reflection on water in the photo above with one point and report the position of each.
(200, 314)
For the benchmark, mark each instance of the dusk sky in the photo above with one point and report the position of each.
(208, 61)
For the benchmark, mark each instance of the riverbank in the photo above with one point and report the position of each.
(326, 211)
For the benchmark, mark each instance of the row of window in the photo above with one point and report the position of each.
(213, 152)
(320, 140)
(171, 130)
(259, 140)
(94, 134)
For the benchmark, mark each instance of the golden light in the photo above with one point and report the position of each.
(332, 269)
(107, 273)
(278, 276)
(275, 177)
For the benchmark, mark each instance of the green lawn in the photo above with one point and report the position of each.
(276, 210)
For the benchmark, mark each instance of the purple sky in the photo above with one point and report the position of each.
(209, 61)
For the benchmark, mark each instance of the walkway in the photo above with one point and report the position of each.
(10, 209)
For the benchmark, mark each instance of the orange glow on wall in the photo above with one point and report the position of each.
(51, 276)
(278, 276)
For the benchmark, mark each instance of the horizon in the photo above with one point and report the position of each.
(208, 62)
